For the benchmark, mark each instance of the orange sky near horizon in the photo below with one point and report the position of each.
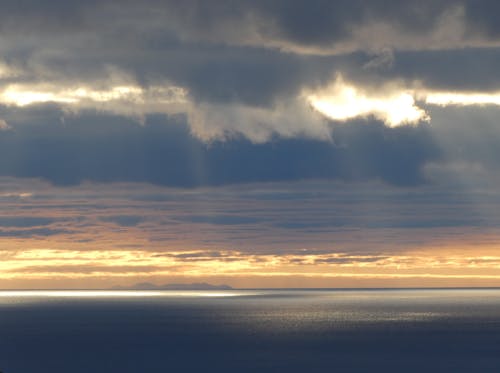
(99, 236)
(78, 266)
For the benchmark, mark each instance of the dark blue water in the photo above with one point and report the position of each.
(251, 331)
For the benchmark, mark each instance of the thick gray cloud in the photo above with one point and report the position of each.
(316, 22)
(242, 51)
(243, 67)
(106, 148)
(467, 69)
(481, 17)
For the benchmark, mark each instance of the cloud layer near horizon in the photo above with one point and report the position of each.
(323, 233)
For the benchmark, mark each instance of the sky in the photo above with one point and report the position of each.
(284, 143)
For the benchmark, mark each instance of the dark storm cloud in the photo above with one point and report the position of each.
(85, 39)
(467, 69)
(317, 22)
(481, 16)
(252, 76)
(47, 16)
(311, 21)
(229, 51)
(475, 143)
(102, 148)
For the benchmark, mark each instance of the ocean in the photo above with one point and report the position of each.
(417, 330)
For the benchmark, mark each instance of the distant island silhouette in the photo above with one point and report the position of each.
(192, 286)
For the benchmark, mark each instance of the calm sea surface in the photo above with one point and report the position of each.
(251, 331)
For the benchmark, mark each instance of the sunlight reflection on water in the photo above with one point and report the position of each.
(251, 330)
(117, 293)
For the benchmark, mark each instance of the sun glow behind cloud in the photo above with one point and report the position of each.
(462, 99)
(393, 103)
(126, 266)
(342, 101)
(142, 99)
